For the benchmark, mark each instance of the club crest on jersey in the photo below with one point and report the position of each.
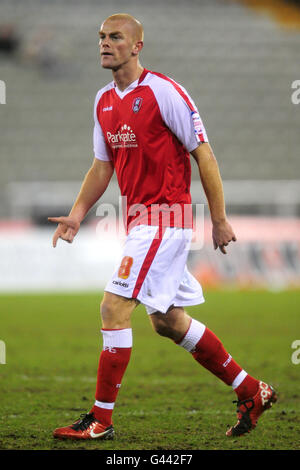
(137, 103)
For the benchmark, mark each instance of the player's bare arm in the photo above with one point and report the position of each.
(222, 232)
(94, 185)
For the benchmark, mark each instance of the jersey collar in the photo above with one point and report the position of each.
(134, 84)
(143, 75)
(131, 87)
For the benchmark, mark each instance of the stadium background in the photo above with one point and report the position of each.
(237, 59)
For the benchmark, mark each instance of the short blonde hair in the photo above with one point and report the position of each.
(134, 23)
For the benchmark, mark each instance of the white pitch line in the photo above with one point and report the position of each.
(57, 378)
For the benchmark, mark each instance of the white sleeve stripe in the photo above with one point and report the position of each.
(182, 92)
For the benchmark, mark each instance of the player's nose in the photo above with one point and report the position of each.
(104, 42)
(104, 47)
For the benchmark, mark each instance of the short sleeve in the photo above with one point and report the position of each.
(100, 148)
(181, 115)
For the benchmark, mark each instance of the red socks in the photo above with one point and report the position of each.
(210, 353)
(114, 358)
(247, 389)
(202, 343)
(208, 350)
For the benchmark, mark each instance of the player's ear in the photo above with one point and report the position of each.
(137, 47)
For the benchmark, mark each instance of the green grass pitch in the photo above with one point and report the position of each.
(167, 401)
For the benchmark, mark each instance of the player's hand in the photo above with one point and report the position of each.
(66, 230)
(222, 235)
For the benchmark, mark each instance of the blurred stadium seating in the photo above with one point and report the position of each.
(237, 65)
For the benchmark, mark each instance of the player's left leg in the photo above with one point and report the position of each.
(205, 347)
(253, 396)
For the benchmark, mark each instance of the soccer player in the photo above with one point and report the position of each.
(146, 127)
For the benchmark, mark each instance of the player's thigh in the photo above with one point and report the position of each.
(173, 324)
(116, 311)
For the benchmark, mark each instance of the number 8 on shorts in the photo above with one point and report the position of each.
(124, 270)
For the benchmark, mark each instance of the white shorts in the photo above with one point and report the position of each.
(152, 269)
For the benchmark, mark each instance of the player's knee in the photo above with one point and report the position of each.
(163, 328)
(173, 324)
(109, 314)
(106, 310)
(114, 312)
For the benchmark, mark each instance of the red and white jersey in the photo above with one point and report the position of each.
(147, 131)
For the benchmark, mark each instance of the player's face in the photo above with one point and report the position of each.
(116, 44)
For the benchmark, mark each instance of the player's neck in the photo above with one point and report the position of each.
(123, 77)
